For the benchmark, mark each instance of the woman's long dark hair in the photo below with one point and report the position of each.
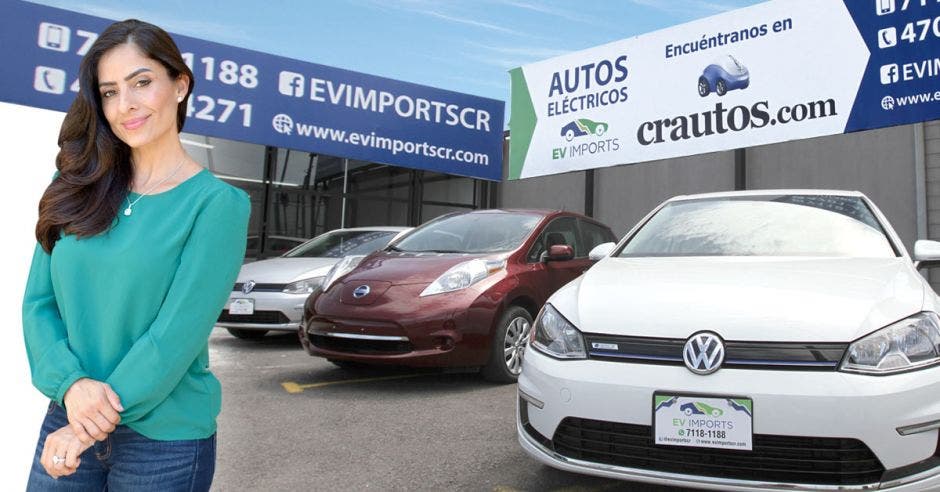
(94, 164)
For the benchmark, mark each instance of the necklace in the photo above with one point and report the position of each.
(130, 204)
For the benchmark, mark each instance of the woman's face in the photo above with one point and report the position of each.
(138, 96)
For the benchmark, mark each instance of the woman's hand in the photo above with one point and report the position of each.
(60, 452)
(92, 408)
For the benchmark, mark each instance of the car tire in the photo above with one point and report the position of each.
(599, 131)
(721, 88)
(247, 334)
(703, 88)
(569, 135)
(509, 341)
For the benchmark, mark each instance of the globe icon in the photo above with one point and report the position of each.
(887, 103)
(283, 123)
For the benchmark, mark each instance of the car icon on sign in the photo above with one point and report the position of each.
(581, 127)
(723, 75)
(699, 408)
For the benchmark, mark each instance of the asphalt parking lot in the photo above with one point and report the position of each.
(294, 422)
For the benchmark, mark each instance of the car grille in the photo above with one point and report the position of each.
(357, 346)
(259, 317)
(788, 459)
(260, 287)
(738, 354)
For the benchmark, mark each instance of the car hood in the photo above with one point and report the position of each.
(780, 299)
(406, 268)
(285, 270)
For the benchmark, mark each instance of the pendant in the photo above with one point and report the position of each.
(127, 211)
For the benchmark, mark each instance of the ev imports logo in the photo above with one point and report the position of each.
(283, 123)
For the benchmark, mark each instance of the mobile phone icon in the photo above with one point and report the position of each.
(49, 80)
(884, 7)
(54, 36)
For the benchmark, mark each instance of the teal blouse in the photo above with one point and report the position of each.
(134, 306)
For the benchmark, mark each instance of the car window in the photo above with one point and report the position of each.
(771, 225)
(337, 244)
(490, 232)
(563, 230)
(593, 234)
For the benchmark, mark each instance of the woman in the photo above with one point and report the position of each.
(138, 249)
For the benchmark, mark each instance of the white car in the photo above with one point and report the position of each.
(762, 340)
(269, 294)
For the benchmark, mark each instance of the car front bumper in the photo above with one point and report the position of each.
(445, 330)
(786, 403)
(275, 311)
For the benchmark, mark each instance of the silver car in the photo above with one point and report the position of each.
(269, 294)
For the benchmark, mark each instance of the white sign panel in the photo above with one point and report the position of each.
(777, 71)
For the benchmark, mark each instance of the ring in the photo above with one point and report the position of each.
(56, 460)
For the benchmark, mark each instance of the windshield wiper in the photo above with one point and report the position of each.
(393, 248)
(435, 251)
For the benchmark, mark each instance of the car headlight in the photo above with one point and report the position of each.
(303, 286)
(556, 336)
(342, 267)
(912, 343)
(463, 275)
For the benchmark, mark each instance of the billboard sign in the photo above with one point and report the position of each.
(256, 97)
(777, 71)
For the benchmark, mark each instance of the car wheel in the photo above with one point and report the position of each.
(721, 88)
(688, 411)
(247, 334)
(509, 343)
(600, 130)
(703, 88)
(569, 135)
(716, 413)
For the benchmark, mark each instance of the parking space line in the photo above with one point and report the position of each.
(293, 388)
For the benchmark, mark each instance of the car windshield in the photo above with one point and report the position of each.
(337, 244)
(471, 233)
(773, 225)
(730, 64)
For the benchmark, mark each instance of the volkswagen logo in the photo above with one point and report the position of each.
(704, 352)
(361, 291)
(248, 286)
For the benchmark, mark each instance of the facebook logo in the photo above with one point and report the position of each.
(889, 73)
(291, 84)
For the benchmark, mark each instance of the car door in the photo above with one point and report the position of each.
(562, 230)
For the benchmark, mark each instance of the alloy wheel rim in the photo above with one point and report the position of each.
(514, 343)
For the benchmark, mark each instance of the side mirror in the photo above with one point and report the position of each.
(601, 251)
(559, 252)
(926, 254)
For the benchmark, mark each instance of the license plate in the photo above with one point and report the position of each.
(242, 306)
(703, 421)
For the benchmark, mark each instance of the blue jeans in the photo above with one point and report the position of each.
(127, 460)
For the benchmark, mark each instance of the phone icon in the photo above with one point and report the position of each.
(887, 37)
(49, 80)
(884, 7)
(54, 37)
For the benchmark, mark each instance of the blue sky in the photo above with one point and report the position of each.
(465, 46)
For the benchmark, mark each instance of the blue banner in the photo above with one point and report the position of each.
(256, 97)
(901, 82)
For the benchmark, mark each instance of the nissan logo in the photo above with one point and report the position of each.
(704, 352)
(361, 291)
(248, 286)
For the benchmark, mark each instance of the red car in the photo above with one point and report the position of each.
(461, 290)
